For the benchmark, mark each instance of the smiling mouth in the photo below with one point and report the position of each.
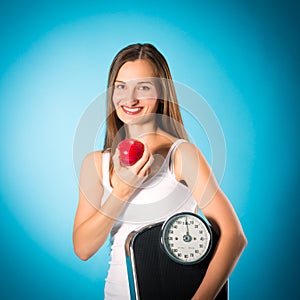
(131, 110)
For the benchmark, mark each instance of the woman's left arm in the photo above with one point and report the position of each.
(192, 168)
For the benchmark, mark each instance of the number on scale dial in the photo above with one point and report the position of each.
(186, 238)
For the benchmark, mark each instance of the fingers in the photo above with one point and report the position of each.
(142, 166)
(147, 162)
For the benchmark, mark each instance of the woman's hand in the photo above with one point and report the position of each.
(129, 178)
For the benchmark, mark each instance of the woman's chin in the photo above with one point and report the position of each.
(140, 120)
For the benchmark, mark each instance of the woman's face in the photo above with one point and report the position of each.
(135, 94)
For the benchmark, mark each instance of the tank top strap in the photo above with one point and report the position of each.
(105, 168)
(171, 153)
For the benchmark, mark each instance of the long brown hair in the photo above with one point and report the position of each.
(168, 104)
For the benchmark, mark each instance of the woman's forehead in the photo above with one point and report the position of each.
(135, 70)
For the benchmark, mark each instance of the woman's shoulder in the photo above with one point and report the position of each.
(186, 156)
(185, 147)
(94, 155)
(93, 161)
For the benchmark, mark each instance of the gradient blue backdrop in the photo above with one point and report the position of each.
(242, 56)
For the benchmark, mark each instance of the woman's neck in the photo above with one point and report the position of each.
(150, 134)
(140, 131)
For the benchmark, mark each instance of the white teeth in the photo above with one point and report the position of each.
(132, 109)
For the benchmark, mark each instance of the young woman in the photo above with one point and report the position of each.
(142, 104)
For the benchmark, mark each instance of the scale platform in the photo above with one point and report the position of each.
(153, 275)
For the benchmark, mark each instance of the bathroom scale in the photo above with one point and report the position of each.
(168, 260)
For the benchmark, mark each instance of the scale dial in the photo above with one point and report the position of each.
(186, 238)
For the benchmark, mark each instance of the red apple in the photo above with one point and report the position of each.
(131, 151)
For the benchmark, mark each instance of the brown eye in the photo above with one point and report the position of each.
(120, 86)
(144, 88)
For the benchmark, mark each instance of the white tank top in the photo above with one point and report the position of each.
(157, 199)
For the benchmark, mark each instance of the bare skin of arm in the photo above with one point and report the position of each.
(218, 210)
(93, 222)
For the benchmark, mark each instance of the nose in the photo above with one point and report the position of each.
(131, 98)
(131, 102)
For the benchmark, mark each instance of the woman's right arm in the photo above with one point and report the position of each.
(91, 226)
(93, 222)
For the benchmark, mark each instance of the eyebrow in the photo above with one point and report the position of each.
(140, 82)
(145, 82)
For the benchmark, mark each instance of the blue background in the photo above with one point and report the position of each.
(242, 56)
